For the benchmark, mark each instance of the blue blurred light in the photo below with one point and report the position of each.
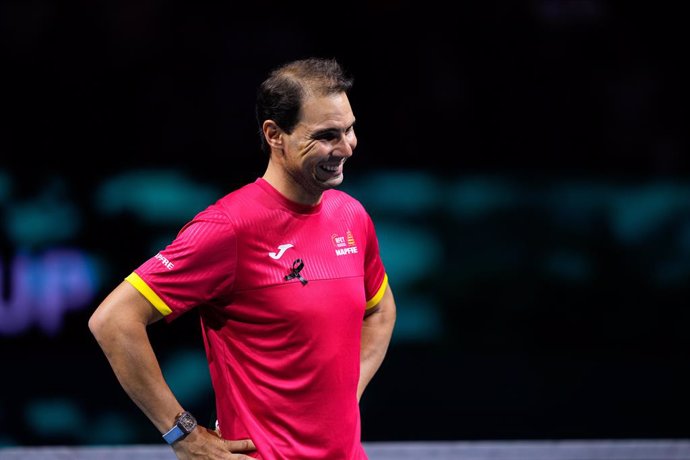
(54, 417)
(419, 319)
(186, 372)
(400, 192)
(479, 196)
(156, 197)
(110, 428)
(638, 212)
(409, 253)
(41, 222)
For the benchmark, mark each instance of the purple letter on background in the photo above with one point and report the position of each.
(43, 288)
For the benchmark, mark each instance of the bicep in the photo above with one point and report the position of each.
(386, 305)
(124, 305)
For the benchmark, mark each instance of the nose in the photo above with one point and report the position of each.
(347, 144)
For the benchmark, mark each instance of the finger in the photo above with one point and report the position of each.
(241, 445)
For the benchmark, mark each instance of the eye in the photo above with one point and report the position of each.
(326, 136)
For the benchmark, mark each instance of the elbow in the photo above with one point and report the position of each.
(100, 325)
(96, 324)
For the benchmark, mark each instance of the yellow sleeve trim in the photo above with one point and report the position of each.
(379, 294)
(147, 292)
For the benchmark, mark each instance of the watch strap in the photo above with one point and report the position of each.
(174, 434)
(184, 424)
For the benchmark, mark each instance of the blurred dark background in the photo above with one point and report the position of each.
(526, 164)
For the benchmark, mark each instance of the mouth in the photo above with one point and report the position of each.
(330, 170)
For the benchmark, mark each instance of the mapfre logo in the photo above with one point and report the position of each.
(344, 245)
(166, 263)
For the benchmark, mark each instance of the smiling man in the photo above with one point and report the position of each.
(296, 310)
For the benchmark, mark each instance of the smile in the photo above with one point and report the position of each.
(331, 168)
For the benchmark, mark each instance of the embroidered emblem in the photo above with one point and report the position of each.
(344, 244)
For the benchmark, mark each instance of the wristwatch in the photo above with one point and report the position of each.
(184, 424)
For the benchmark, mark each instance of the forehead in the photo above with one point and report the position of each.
(327, 111)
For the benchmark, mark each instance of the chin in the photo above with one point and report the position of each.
(329, 183)
(334, 182)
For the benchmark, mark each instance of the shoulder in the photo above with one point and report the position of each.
(335, 198)
(223, 214)
(344, 207)
(243, 197)
(236, 205)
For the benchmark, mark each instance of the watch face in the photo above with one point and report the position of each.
(187, 422)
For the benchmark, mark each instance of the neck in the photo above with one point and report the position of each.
(289, 187)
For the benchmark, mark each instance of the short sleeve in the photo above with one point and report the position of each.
(193, 269)
(375, 278)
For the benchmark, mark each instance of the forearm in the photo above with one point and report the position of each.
(377, 331)
(133, 361)
(131, 356)
(119, 324)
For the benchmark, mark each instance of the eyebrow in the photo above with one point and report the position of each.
(327, 131)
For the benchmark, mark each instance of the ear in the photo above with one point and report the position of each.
(273, 134)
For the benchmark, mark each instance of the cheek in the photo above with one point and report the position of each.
(309, 148)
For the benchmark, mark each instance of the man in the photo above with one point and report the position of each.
(295, 306)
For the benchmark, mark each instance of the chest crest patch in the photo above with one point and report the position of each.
(344, 244)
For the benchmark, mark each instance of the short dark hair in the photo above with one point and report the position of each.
(280, 96)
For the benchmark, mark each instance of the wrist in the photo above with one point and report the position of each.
(185, 423)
